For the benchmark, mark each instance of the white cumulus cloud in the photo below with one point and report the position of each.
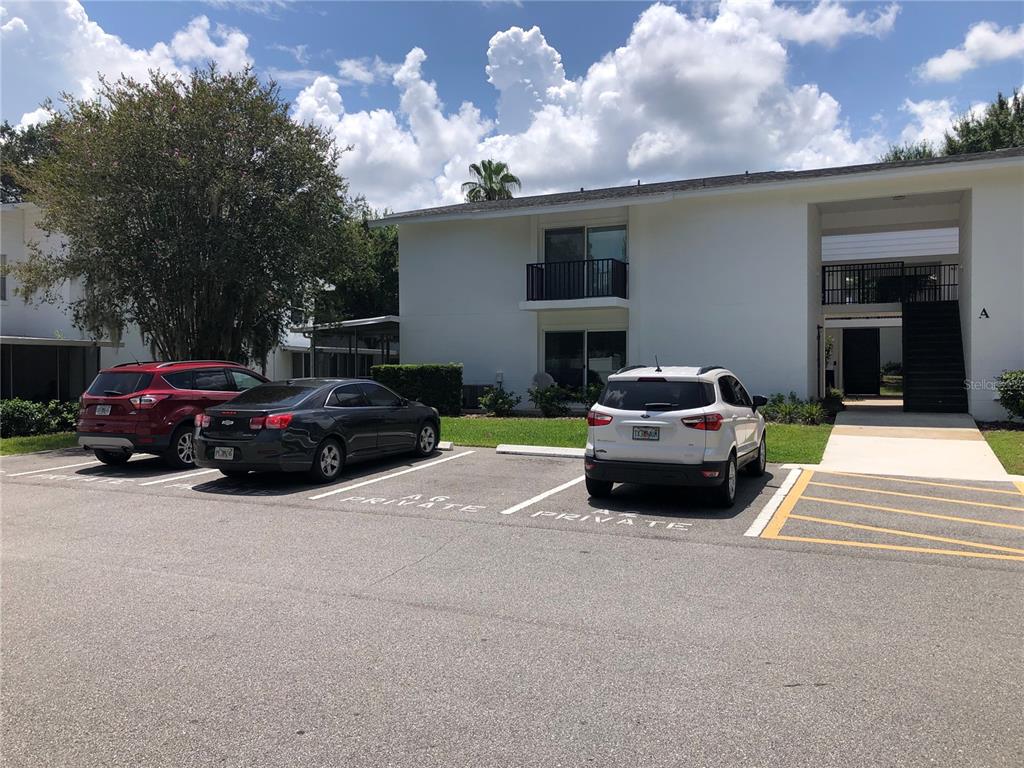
(683, 96)
(930, 119)
(64, 50)
(985, 42)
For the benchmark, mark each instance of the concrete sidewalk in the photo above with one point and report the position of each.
(888, 442)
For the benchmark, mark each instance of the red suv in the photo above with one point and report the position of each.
(150, 407)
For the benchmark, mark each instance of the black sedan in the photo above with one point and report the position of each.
(312, 425)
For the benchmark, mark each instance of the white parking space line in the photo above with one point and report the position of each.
(542, 496)
(179, 477)
(758, 526)
(393, 474)
(55, 469)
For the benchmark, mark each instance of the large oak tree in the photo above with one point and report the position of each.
(194, 208)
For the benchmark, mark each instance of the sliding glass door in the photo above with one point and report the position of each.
(575, 359)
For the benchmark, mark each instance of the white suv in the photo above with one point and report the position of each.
(674, 426)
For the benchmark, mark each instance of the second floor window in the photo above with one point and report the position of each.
(580, 243)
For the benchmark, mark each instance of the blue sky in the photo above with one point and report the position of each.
(829, 89)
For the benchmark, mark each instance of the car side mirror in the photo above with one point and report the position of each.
(404, 402)
(759, 400)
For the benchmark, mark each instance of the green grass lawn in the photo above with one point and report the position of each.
(787, 443)
(13, 445)
(797, 443)
(1008, 446)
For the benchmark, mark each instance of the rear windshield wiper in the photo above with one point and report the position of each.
(112, 393)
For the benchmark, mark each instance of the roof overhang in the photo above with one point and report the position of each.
(822, 179)
(43, 341)
(382, 324)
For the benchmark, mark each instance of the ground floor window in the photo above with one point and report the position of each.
(575, 359)
(44, 372)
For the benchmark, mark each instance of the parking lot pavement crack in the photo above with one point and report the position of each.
(414, 563)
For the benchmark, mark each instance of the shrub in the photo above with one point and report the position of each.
(1010, 386)
(20, 418)
(812, 413)
(892, 368)
(552, 401)
(497, 402)
(790, 409)
(437, 385)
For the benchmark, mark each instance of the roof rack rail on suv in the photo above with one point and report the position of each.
(629, 368)
(169, 363)
(705, 368)
(135, 362)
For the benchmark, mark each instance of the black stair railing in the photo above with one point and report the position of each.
(591, 278)
(889, 282)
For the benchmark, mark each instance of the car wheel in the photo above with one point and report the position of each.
(725, 494)
(113, 458)
(327, 461)
(426, 439)
(756, 467)
(234, 473)
(599, 489)
(181, 452)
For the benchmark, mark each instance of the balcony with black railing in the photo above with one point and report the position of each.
(589, 279)
(889, 282)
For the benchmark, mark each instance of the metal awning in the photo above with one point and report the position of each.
(368, 325)
(45, 341)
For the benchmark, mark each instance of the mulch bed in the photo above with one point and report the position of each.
(989, 426)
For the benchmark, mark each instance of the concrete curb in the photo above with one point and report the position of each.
(445, 445)
(540, 450)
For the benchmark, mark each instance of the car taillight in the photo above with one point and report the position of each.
(278, 420)
(202, 420)
(597, 419)
(257, 422)
(142, 402)
(711, 422)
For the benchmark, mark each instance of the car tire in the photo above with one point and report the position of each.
(328, 461)
(113, 458)
(599, 489)
(180, 454)
(756, 467)
(234, 473)
(725, 494)
(426, 439)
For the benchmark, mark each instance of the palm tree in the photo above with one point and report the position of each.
(493, 181)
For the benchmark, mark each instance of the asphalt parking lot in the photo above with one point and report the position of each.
(476, 609)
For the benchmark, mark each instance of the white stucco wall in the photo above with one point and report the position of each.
(723, 281)
(460, 285)
(996, 342)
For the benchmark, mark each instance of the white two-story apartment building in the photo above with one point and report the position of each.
(926, 257)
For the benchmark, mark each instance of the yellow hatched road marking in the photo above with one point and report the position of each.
(1020, 486)
(900, 548)
(920, 496)
(861, 505)
(771, 531)
(894, 532)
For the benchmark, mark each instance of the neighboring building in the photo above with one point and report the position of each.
(43, 356)
(750, 271)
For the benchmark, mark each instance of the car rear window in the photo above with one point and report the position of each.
(673, 395)
(277, 395)
(113, 384)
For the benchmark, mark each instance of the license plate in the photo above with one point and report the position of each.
(102, 410)
(224, 454)
(646, 433)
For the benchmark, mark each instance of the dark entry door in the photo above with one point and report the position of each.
(861, 365)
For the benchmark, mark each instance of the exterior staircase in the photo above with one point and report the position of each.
(933, 358)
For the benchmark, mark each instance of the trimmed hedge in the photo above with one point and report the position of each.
(437, 385)
(1010, 386)
(21, 418)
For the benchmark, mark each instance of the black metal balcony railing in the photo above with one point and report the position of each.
(889, 282)
(593, 278)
